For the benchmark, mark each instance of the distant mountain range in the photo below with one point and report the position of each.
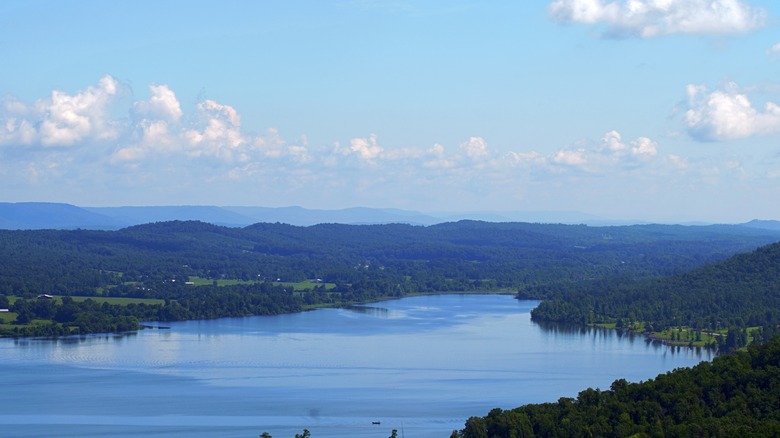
(44, 215)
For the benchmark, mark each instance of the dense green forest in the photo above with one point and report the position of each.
(736, 395)
(740, 292)
(361, 263)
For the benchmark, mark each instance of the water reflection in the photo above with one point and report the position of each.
(428, 362)
(556, 329)
(378, 312)
(48, 342)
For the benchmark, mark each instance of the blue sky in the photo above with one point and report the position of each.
(663, 110)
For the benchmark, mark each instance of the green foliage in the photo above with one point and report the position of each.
(458, 256)
(734, 395)
(263, 269)
(725, 297)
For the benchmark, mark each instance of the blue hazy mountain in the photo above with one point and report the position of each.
(45, 215)
(763, 224)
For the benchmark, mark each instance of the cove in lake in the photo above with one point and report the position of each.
(421, 365)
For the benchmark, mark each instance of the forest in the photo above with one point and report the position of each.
(248, 271)
(735, 395)
(733, 294)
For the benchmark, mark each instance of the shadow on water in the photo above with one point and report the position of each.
(575, 329)
(379, 312)
(563, 329)
(74, 339)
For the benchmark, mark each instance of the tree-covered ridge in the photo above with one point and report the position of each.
(742, 291)
(454, 256)
(157, 261)
(734, 395)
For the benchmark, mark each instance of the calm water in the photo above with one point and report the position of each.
(421, 365)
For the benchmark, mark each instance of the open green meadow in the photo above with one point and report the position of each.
(120, 300)
(298, 286)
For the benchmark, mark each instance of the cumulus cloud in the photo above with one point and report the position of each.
(727, 113)
(651, 18)
(571, 157)
(438, 158)
(611, 154)
(365, 148)
(207, 141)
(475, 148)
(162, 105)
(218, 133)
(62, 119)
(641, 147)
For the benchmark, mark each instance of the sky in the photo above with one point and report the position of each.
(658, 110)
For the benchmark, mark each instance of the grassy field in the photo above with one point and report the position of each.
(302, 285)
(101, 300)
(7, 317)
(683, 336)
(120, 301)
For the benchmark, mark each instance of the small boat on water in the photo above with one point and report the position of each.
(376, 422)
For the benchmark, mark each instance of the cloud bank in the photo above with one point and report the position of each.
(652, 18)
(86, 140)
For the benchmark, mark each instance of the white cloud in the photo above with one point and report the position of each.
(650, 18)
(613, 154)
(439, 159)
(520, 158)
(642, 146)
(162, 105)
(727, 114)
(272, 145)
(475, 148)
(69, 119)
(62, 119)
(205, 146)
(774, 51)
(678, 162)
(155, 137)
(366, 148)
(571, 157)
(18, 131)
(300, 153)
(219, 134)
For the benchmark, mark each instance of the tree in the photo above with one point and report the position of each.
(306, 434)
(24, 316)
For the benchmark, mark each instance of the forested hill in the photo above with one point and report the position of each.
(736, 395)
(465, 255)
(194, 270)
(740, 292)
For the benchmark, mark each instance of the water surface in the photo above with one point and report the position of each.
(421, 365)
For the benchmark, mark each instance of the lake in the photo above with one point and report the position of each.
(421, 365)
